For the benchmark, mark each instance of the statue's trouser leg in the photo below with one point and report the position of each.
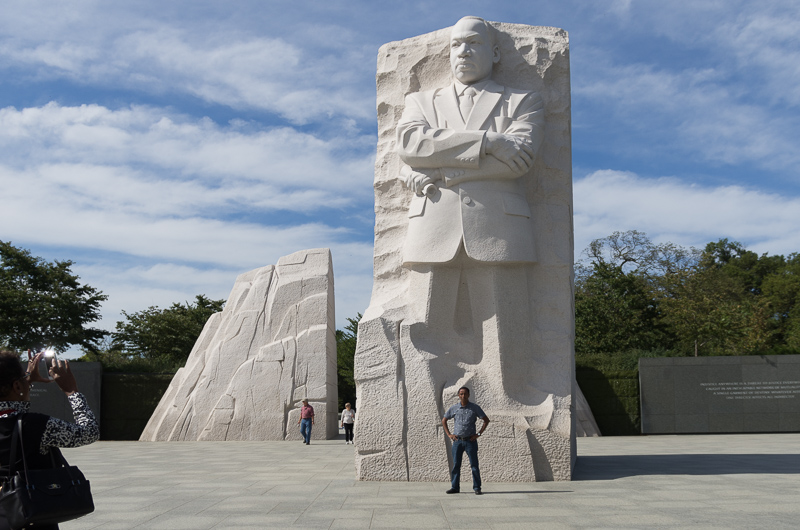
(500, 382)
(425, 338)
(500, 306)
(469, 324)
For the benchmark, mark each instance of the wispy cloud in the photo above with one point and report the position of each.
(765, 42)
(149, 160)
(669, 209)
(727, 96)
(162, 283)
(757, 41)
(694, 112)
(158, 203)
(163, 206)
(220, 66)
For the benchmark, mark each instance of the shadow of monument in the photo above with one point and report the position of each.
(613, 398)
(619, 466)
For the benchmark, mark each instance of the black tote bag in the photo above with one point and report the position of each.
(43, 496)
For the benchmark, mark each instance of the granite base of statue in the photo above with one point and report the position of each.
(473, 255)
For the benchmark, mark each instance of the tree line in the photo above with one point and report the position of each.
(636, 298)
(633, 298)
(44, 304)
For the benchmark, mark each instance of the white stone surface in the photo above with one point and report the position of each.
(499, 317)
(585, 425)
(273, 345)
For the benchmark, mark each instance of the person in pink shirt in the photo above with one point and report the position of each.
(306, 421)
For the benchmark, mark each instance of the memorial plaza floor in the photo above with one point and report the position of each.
(689, 481)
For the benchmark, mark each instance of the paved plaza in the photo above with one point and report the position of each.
(708, 481)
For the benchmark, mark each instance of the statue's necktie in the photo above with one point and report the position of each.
(466, 102)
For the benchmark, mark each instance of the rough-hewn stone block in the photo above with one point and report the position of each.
(272, 346)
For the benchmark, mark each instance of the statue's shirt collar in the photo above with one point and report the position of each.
(461, 87)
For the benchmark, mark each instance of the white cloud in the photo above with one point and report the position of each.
(712, 82)
(218, 64)
(766, 44)
(691, 111)
(759, 39)
(164, 283)
(147, 159)
(621, 8)
(162, 207)
(191, 239)
(668, 209)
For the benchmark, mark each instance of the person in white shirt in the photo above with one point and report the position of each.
(348, 420)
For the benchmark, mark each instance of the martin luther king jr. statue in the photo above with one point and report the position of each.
(468, 317)
(465, 146)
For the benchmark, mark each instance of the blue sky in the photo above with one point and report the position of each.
(166, 147)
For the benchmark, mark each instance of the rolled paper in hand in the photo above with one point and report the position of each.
(429, 189)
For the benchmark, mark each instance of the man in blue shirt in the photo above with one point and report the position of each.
(465, 415)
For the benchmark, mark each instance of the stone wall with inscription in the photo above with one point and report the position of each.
(720, 394)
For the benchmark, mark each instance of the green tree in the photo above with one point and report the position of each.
(617, 293)
(632, 251)
(615, 312)
(721, 301)
(164, 337)
(725, 300)
(747, 267)
(345, 353)
(44, 304)
(782, 291)
(713, 313)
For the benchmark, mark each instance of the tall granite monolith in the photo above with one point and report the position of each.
(473, 262)
(272, 346)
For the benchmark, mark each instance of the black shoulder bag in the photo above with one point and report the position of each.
(43, 496)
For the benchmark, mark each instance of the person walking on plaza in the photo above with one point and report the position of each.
(465, 415)
(306, 421)
(348, 420)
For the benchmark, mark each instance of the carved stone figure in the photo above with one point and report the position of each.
(271, 347)
(478, 291)
(469, 143)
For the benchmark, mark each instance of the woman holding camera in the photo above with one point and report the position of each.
(40, 432)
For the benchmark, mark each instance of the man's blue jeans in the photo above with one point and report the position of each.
(459, 446)
(305, 430)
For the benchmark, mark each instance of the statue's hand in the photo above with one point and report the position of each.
(418, 180)
(514, 152)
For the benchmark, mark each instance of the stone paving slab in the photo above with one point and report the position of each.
(688, 481)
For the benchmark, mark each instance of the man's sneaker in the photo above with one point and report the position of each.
(478, 492)
(452, 490)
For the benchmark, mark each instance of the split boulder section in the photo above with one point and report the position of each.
(272, 346)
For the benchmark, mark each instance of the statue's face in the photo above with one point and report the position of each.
(471, 52)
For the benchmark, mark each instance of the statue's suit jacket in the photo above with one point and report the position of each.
(479, 200)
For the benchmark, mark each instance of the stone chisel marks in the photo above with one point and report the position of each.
(273, 345)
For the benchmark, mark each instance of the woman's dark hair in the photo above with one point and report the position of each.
(10, 371)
